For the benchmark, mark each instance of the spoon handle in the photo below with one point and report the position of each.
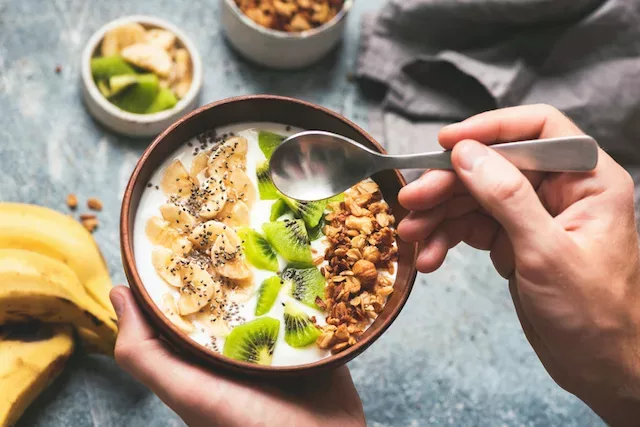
(565, 154)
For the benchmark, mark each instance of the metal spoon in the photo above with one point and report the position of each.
(316, 165)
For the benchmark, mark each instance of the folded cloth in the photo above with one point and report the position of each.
(445, 60)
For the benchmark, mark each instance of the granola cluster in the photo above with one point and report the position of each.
(360, 257)
(290, 15)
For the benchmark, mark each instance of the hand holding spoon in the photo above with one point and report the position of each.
(316, 165)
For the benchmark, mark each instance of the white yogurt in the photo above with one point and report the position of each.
(152, 199)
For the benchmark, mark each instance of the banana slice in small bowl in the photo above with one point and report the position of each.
(139, 75)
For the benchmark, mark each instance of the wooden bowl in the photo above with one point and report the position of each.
(259, 108)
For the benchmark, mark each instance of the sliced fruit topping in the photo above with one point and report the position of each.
(278, 209)
(212, 318)
(149, 57)
(244, 188)
(299, 330)
(199, 163)
(177, 216)
(170, 309)
(160, 233)
(120, 37)
(121, 82)
(229, 155)
(336, 198)
(268, 142)
(198, 287)
(267, 190)
(103, 87)
(184, 72)
(316, 232)
(205, 234)
(306, 285)
(240, 291)
(165, 99)
(138, 98)
(168, 266)
(161, 38)
(253, 342)
(289, 238)
(235, 214)
(267, 294)
(310, 212)
(109, 66)
(214, 197)
(226, 254)
(176, 180)
(258, 250)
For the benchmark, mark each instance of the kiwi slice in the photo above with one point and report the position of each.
(299, 330)
(305, 284)
(268, 142)
(267, 294)
(253, 341)
(258, 250)
(266, 188)
(336, 198)
(310, 212)
(103, 87)
(278, 209)
(164, 101)
(316, 232)
(289, 238)
(105, 67)
(121, 82)
(139, 98)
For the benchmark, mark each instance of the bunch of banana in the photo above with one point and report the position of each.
(53, 280)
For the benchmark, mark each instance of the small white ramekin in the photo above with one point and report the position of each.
(280, 49)
(124, 122)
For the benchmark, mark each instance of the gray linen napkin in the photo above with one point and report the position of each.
(444, 60)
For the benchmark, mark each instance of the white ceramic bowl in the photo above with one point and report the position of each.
(280, 49)
(124, 122)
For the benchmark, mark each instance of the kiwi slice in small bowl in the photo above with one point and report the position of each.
(254, 341)
(290, 239)
(258, 250)
(267, 294)
(299, 330)
(305, 285)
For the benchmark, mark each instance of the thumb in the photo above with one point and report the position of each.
(504, 192)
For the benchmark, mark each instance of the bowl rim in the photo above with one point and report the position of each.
(165, 326)
(151, 21)
(284, 35)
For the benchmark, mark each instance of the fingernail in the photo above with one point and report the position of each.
(472, 154)
(118, 303)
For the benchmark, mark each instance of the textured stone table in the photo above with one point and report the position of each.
(455, 356)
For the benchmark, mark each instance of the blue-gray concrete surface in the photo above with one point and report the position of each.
(455, 356)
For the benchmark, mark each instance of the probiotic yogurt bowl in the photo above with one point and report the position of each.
(249, 277)
(218, 247)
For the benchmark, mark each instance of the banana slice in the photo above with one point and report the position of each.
(241, 291)
(199, 164)
(170, 309)
(176, 180)
(177, 216)
(167, 265)
(235, 214)
(198, 287)
(160, 233)
(214, 195)
(162, 38)
(148, 57)
(239, 181)
(120, 37)
(229, 155)
(183, 72)
(226, 254)
(212, 318)
(205, 234)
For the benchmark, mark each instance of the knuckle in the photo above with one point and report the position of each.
(549, 110)
(507, 190)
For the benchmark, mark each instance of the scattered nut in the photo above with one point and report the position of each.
(86, 216)
(90, 224)
(94, 204)
(290, 15)
(72, 201)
